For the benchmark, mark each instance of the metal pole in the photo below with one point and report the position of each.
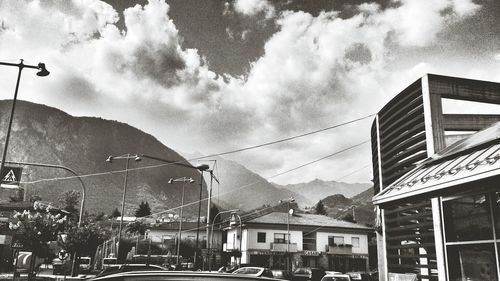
(123, 208)
(13, 108)
(198, 223)
(209, 249)
(288, 236)
(180, 225)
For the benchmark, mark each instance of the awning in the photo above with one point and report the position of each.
(433, 175)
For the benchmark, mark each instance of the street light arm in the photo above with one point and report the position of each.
(82, 205)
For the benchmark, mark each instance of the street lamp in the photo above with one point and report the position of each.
(110, 160)
(201, 168)
(289, 212)
(212, 234)
(42, 71)
(183, 180)
(234, 214)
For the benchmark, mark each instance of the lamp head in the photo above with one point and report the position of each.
(110, 159)
(42, 71)
(137, 158)
(171, 180)
(203, 167)
(191, 180)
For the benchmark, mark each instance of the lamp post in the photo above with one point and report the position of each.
(201, 168)
(127, 157)
(42, 71)
(183, 180)
(289, 212)
(234, 214)
(212, 234)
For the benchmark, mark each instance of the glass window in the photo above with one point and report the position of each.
(335, 240)
(261, 237)
(355, 242)
(280, 238)
(467, 218)
(472, 262)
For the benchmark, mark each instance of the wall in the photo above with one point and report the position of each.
(322, 241)
(295, 237)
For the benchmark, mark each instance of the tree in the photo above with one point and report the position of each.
(69, 201)
(213, 212)
(320, 208)
(143, 210)
(137, 227)
(37, 228)
(115, 213)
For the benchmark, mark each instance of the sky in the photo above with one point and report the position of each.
(212, 76)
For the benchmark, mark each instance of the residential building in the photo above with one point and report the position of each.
(437, 191)
(306, 240)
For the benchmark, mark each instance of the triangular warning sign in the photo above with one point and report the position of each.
(10, 177)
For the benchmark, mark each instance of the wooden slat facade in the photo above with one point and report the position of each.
(410, 240)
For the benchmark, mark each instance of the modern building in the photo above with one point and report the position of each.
(434, 177)
(279, 241)
(412, 126)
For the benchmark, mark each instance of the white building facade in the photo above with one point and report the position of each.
(306, 240)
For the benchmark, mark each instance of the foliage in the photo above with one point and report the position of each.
(137, 227)
(349, 217)
(69, 201)
(39, 227)
(85, 239)
(320, 208)
(143, 210)
(115, 213)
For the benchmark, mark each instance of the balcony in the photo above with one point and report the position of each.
(284, 247)
(343, 249)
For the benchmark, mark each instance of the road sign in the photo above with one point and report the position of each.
(10, 177)
(62, 255)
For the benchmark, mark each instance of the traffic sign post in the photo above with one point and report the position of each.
(63, 255)
(10, 177)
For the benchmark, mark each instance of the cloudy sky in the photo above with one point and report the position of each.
(210, 76)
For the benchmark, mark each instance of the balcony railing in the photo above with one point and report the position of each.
(284, 247)
(343, 249)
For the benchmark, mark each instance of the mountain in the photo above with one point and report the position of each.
(318, 189)
(241, 188)
(42, 134)
(359, 207)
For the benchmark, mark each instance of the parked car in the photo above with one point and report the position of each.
(255, 271)
(282, 274)
(129, 267)
(107, 262)
(363, 276)
(85, 264)
(178, 275)
(308, 274)
(336, 277)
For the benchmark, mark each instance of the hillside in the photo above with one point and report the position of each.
(43, 134)
(244, 189)
(318, 189)
(359, 207)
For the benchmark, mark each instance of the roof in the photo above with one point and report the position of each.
(278, 218)
(471, 159)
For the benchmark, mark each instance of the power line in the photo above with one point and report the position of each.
(281, 140)
(270, 177)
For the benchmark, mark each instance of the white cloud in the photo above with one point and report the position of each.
(254, 8)
(316, 71)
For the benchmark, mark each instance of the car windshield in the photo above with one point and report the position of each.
(301, 271)
(248, 270)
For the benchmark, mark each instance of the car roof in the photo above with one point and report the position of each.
(183, 274)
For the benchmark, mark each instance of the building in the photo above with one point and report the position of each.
(435, 188)
(412, 126)
(313, 241)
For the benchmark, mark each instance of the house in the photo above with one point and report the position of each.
(282, 241)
